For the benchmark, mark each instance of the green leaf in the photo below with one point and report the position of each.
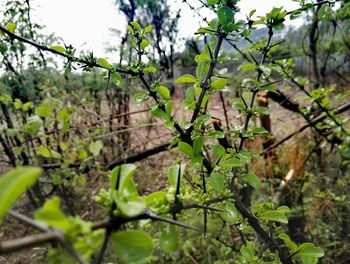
(295, 14)
(116, 78)
(252, 180)
(202, 69)
(144, 44)
(259, 131)
(44, 110)
(230, 215)
(185, 148)
(198, 145)
(131, 30)
(33, 124)
(212, 2)
(157, 112)
(148, 29)
(27, 106)
(275, 216)
(130, 189)
(217, 181)
(252, 12)
(283, 209)
(132, 245)
(203, 119)
(13, 184)
(293, 247)
(47, 152)
(155, 198)
(129, 206)
(216, 134)
(248, 251)
(169, 108)
(206, 30)
(164, 92)
(219, 84)
(308, 260)
(197, 159)
(104, 63)
(149, 70)
(324, 13)
(169, 240)
(246, 156)
(96, 147)
(309, 250)
(173, 173)
(231, 163)
(11, 27)
(125, 172)
(59, 49)
(186, 78)
(202, 57)
(247, 67)
(17, 104)
(51, 215)
(139, 97)
(219, 151)
(308, 6)
(225, 15)
(262, 110)
(265, 70)
(136, 25)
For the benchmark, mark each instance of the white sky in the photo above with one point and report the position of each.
(86, 24)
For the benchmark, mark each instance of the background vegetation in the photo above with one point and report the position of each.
(233, 150)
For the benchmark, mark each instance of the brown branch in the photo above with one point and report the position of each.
(14, 245)
(320, 3)
(102, 120)
(281, 189)
(56, 236)
(224, 109)
(269, 242)
(69, 57)
(140, 156)
(253, 221)
(130, 159)
(339, 110)
(205, 83)
(255, 90)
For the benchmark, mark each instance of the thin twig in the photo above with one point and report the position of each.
(69, 57)
(312, 123)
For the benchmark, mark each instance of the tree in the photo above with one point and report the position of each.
(213, 200)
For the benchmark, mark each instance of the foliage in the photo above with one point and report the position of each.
(13, 184)
(214, 201)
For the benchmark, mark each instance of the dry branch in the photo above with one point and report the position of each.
(313, 122)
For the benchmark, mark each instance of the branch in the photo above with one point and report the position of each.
(140, 156)
(255, 90)
(26, 242)
(130, 159)
(302, 88)
(205, 83)
(281, 188)
(55, 235)
(312, 123)
(269, 242)
(314, 4)
(283, 101)
(71, 58)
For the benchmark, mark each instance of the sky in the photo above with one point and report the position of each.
(86, 24)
